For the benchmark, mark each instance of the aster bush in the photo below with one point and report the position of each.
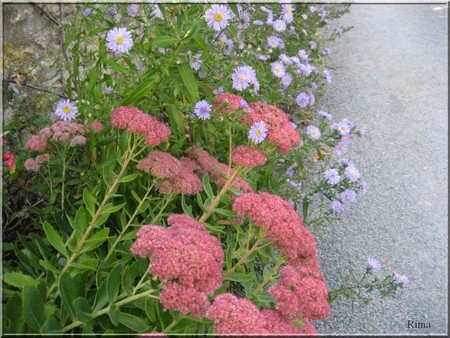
(178, 179)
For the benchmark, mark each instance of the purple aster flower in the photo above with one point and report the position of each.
(87, 11)
(243, 104)
(352, 173)
(290, 170)
(262, 57)
(345, 161)
(306, 69)
(273, 41)
(269, 19)
(286, 80)
(312, 44)
(363, 188)
(132, 9)
(217, 17)
(302, 100)
(348, 196)
(112, 11)
(326, 51)
(202, 110)
(302, 54)
(258, 22)
(287, 11)
(119, 40)
(313, 8)
(219, 90)
(344, 127)
(279, 25)
(293, 125)
(313, 133)
(244, 76)
(341, 148)
(326, 115)
(305, 17)
(327, 75)
(109, 90)
(285, 59)
(278, 69)
(337, 206)
(66, 110)
(157, 13)
(373, 264)
(293, 184)
(312, 99)
(401, 279)
(360, 132)
(313, 86)
(258, 132)
(195, 61)
(332, 176)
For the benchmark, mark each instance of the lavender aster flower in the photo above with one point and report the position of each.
(326, 115)
(258, 132)
(66, 110)
(87, 11)
(313, 133)
(293, 184)
(195, 61)
(132, 9)
(302, 100)
(363, 188)
(304, 16)
(373, 264)
(287, 11)
(157, 13)
(217, 17)
(313, 86)
(244, 76)
(337, 206)
(286, 80)
(344, 127)
(119, 40)
(202, 110)
(312, 44)
(302, 54)
(109, 90)
(348, 196)
(341, 148)
(332, 176)
(278, 69)
(327, 75)
(273, 41)
(279, 25)
(258, 22)
(112, 11)
(352, 173)
(401, 279)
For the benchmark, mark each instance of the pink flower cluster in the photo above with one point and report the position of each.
(61, 132)
(97, 126)
(34, 164)
(232, 315)
(302, 291)
(136, 121)
(227, 103)
(186, 258)
(219, 172)
(280, 131)
(178, 175)
(283, 224)
(248, 157)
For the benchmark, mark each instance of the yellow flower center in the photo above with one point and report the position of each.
(218, 17)
(258, 132)
(288, 9)
(119, 39)
(278, 69)
(66, 110)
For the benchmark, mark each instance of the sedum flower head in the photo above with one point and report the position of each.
(248, 157)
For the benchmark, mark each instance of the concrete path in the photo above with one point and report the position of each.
(390, 76)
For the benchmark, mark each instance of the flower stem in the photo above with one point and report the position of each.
(118, 304)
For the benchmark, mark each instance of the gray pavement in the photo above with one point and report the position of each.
(391, 76)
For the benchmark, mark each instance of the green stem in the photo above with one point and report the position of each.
(267, 279)
(63, 181)
(125, 228)
(174, 322)
(106, 310)
(168, 199)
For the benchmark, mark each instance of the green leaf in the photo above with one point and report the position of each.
(240, 277)
(189, 80)
(110, 209)
(142, 89)
(305, 206)
(101, 297)
(187, 209)
(55, 239)
(19, 280)
(150, 308)
(89, 201)
(118, 68)
(80, 222)
(96, 240)
(134, 323)
(163, 41)
(207, 186)
(13, 310)
(52, 325)
(67, 289)
(33, 307)
(224, 212)
(128, 178)
(113, 284)
(82, 310)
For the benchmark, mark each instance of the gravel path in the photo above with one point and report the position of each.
(390, 76)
